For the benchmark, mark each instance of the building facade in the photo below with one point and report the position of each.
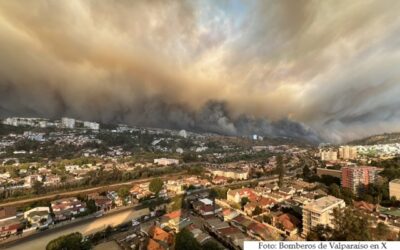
(356, 178)
(348, 153)
(320, 212)
(68, 122)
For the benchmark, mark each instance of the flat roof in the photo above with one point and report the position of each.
(323, 203)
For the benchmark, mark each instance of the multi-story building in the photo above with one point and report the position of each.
(347, 153)
(237, 174)
(68, 122)
(91, 125)
(356, 178)
(320, 212)
(394, 188)
(328, 155)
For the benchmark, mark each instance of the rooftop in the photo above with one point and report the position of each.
(323, 203)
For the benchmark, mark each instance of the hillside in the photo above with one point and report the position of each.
(385, 138)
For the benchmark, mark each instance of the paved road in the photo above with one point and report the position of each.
(39, 241)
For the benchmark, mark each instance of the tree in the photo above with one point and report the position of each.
(244, 201)
(306, 172)
(185, 240)
(221, 192)
(382, 232)
(37, 187)
(350, 225)
(281, 170)
(257, 210)
(123, 192)
(212, 245)
(212, 195)
(91, 206)
(156, 185)
(267, 219)
(319, 233)
(71, 241)
(334, 190)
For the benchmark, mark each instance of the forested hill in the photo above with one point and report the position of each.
(386, 138)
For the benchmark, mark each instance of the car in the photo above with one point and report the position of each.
(135, 223)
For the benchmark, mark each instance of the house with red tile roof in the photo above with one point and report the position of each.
(261, 231)
(154, 245)
(161, 236)
(263, 203)
(66, 208)
(228, 214)
(287, 222)
(236, 195)
(365, 206)
(176, 220)
(206, 207)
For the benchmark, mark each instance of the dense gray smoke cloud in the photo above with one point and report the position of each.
(283, 68)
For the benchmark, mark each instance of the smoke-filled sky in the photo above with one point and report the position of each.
(315, 69)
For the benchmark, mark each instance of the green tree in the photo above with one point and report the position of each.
(91, 206)
(221, 192)
(257, 210)
(381, 232)
(156, 185)
(244, 201)
(212, 195)
(350, 225)
(212, 245)
(334, 190)
(306, 172)
(267, 219)
(37, 187)
(320, 233)
(123, 192)
(185, 240)
(71, 241)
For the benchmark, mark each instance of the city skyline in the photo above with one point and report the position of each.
(309, 69)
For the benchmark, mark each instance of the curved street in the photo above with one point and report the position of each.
(89, 226)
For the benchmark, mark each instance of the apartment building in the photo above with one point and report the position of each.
(68, 122)
(348, 153)
(328, 155)
(319, 212)
(356, 178)
(237, 174)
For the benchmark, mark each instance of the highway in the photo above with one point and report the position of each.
(89, 226)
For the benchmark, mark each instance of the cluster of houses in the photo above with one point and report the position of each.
(13, 222)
